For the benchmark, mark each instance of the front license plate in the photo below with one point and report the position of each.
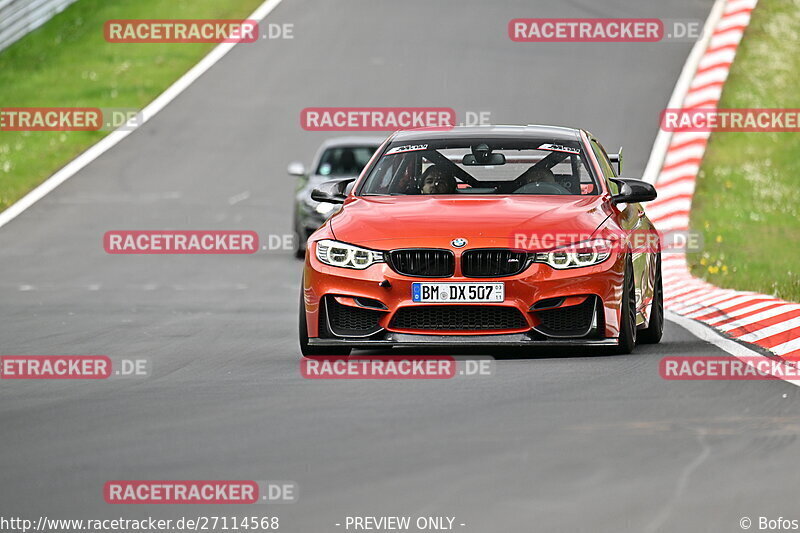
(458, 292)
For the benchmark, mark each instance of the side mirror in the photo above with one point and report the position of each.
(633, 191)
(332, 192)
(296, 169)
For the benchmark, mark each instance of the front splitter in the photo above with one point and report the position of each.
(405, 339)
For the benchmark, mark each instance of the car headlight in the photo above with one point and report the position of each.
(581, 254)
(340, 254)
(323, 208)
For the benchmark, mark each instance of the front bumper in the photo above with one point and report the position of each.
(538, 283)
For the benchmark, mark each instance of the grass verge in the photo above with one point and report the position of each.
(68, 63)
(747, 202)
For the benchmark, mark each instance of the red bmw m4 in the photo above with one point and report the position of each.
(487, 236)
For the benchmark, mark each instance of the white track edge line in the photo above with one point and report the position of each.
(110, 140)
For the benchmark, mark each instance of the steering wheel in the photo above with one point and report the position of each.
(542, 187)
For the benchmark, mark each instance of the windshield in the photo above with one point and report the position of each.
(344, 160)
(543, 167)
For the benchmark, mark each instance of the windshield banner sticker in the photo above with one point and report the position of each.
(407, 148)
(559, 148)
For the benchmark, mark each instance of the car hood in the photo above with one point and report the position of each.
(387, 222)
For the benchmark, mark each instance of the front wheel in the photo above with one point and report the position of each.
(298, 245)
(627, 330)
(652, 335)
(308, 350)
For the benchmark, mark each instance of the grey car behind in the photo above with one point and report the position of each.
(342, 157)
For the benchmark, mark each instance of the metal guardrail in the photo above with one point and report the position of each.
(18, 17)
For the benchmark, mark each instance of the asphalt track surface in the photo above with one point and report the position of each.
(557, 441)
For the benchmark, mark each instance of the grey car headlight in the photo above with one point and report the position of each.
(341, 254)
(324, 208)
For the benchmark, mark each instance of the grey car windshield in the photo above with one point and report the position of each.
(543, 167)
(344, 160)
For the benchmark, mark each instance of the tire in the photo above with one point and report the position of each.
(299, 250)
(308, 350)
(627, 330)
(655, 329)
